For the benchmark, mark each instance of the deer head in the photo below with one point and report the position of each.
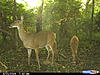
(17, 24)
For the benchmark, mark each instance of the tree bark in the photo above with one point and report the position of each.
(39, 18)
(92, 18)
(2, 21)
(14, 31)
(92, 11)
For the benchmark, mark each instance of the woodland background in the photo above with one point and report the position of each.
(64, 17)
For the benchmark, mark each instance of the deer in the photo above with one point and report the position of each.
(74, 43)
(35, 41)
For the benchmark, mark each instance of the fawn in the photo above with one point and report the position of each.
(74, 43)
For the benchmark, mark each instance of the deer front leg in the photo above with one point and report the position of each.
(29, 55)
(52, 56)
(37, 57)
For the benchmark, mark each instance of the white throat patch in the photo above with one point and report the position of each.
(15, 27)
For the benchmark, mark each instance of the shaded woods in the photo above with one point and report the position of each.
(66, 18)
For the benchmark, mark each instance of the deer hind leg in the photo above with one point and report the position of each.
(78, 59)
(56, 54)
(75, 56)
(52, 54)
(74, 53)
(47, 47)
(74, 59)
(29, 55)
(37, 57)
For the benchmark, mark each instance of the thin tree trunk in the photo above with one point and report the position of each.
(39, 18)
(2, 21)
(92, 18)
(92, 11)
(14, 31)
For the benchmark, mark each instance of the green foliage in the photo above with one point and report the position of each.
(96, 36)
(64, 17)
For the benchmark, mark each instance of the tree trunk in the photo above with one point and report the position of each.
(62, 34)
(3, 18)
(92, 18)
(14, 31)
(92, 11)
(39, 18)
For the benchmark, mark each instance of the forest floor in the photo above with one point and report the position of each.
(16, 61)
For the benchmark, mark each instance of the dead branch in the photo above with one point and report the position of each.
(4, 31)
(63, 55)
(3, 65)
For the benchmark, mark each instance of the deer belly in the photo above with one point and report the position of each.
(42, 45)
(32, 45)
(28, 45)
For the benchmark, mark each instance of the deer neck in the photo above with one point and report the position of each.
(22, 33)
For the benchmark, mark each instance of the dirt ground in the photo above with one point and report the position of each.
(16, 61)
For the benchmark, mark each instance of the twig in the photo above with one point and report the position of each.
(3, 65)
(63, 55)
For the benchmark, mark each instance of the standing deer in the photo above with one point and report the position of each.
(35, 41)
(74, 42)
